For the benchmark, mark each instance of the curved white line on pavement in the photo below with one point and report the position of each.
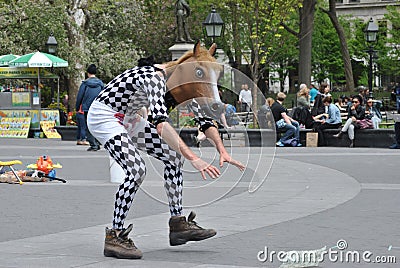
(292, 190)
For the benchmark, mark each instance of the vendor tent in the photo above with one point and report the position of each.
(5, 59)
(39, 60)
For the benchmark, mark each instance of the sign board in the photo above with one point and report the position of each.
(27, 72)
(21, 99)
(16, 127)
(49, 130)
(46, 115)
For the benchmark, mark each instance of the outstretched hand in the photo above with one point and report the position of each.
(204, 168)
(225, 157)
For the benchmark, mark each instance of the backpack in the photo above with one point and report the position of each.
(303, 116)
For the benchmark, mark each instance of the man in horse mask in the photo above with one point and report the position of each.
(114, 121)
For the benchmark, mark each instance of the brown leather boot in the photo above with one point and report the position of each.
(120, 246)
(182, 231)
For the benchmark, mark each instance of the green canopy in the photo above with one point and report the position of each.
(38, 59)
(5, 59)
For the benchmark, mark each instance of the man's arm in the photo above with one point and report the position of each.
(171, 137)
(240, 96)
(287, 118)
(213, 134)
(79, 98)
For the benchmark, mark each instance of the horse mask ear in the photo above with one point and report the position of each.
(213, 49)
(196, 49)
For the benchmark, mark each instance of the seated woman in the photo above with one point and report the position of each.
(302, 111)
(356, 112)
(319, 107)
(373, 113)
(330, 120)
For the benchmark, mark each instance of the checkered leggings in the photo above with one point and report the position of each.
(124, 150)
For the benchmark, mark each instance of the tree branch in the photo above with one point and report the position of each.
(289, 30)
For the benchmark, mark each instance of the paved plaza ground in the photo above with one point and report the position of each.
(311, 198)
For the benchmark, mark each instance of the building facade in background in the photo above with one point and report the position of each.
(364, 10)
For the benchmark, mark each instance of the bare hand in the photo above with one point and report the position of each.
(203, 167)
(227, 158)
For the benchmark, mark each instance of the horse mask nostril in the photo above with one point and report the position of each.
(215, 107)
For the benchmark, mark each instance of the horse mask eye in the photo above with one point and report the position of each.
(199, 73)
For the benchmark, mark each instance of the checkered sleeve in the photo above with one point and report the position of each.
(155, 87)
(200, 117)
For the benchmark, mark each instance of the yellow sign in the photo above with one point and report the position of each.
(46, 115)
(48, 129)
(17, 127)
(21, 99)
(10, 72)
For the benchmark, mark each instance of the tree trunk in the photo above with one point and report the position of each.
(256, 64)
(348, 70)
(305, 40)
(75, 28)
(236, 37)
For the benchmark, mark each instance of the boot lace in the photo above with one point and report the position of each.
(124, 239)
(191, 224)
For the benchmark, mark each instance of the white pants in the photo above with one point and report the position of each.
(376, 121)
(349, 128)
(102, 123)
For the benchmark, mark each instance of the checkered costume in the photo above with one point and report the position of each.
(121, 99)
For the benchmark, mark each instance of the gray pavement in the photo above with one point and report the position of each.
(311, 198)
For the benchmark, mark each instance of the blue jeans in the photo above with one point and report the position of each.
(292, 130)
(398, 103)
(397, 132)
(81, 132)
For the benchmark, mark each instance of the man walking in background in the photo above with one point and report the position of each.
(88, 91)
(245, 98)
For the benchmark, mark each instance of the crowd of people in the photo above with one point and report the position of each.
(317, 110)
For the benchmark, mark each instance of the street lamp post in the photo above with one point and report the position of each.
(370, 36)
(51, 46)
(213, 25)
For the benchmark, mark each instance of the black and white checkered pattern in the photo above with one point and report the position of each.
(125, 153)
(124, 150)
(200, 116)
(151, 142)
(135, 88)
(126, 94)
